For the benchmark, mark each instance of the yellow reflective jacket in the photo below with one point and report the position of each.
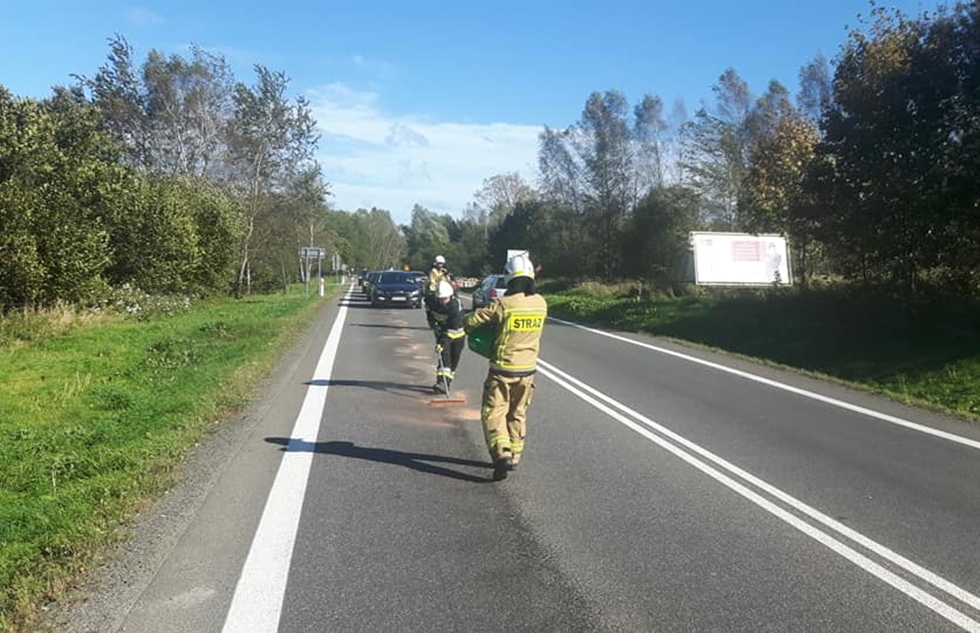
(520, 321)
(435, 276)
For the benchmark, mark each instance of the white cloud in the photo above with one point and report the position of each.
(141, 16)
(401, 135)
(393, 162)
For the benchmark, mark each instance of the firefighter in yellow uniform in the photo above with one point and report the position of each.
(519, 318)
(450, 336)
(437, 273)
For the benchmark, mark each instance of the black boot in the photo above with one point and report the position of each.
(501, 467)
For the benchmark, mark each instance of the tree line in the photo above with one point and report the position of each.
(172, 176)
(872, 172)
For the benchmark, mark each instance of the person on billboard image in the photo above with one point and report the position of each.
(773, 259)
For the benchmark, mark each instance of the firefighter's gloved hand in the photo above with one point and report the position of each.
(438, 348)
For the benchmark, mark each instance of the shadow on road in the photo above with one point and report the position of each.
(391, 327)
(415, 461)
(396, 388)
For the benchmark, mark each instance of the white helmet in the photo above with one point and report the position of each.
(519, 266)
(440, 259)
(444, 290)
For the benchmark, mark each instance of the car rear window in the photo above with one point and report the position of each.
(395, 278)
(501, 282)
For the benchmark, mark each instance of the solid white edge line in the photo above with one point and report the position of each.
(894, 557)
(928, 600)
(779, 385)
(257, 603)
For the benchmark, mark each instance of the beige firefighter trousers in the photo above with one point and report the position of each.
(504, 411)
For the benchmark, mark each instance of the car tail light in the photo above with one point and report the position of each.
(493, 293)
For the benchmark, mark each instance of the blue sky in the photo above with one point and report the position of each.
(419, 102)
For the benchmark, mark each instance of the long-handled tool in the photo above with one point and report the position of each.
(445, 385)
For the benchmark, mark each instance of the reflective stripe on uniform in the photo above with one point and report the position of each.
(494, 440)
(507, 367)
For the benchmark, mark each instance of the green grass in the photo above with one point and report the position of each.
(923, 350)
(97, 412)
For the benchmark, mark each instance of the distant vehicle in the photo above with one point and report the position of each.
(396, 288)
(366, 281)
(372, 279)
(491, 288)
(419, 276)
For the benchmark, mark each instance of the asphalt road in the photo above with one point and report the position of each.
(663, 489)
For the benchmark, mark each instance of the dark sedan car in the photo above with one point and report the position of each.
(396, 288)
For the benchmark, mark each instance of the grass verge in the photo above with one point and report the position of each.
(922, 350)
(95, 416)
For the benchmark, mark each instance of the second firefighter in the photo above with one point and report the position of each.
(447, 324)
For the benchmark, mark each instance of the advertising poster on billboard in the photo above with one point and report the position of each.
(740, 259)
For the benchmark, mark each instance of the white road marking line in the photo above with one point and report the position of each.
(778, 385)
(257, 602)
(786, 498)
(597, 399)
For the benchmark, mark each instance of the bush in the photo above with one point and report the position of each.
(132, 302)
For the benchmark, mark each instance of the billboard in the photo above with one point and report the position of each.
(740, 259)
